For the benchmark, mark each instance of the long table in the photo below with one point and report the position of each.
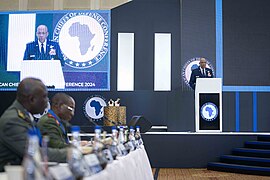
(133, 166)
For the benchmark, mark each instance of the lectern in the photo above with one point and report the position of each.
(208, 105)
(49, 71)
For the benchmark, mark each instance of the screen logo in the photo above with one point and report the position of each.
(94, 107)
(209, 111)
(191, 65)
(83, 38)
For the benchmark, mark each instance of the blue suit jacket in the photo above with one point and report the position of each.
(32, 52)
(196, 73)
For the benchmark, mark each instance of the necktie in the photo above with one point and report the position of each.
(42, 49)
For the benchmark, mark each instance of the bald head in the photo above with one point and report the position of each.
(202, 63)
(42, 33)
(63, 106)
(33, 95)
(27, 87)
(42, 27)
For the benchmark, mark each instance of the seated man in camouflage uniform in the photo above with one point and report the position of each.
(31, 98)
(54, 123)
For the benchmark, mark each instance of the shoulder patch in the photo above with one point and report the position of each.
(50, 116)
(21, 114)
(31, 42)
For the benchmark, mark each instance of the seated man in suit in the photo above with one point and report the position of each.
(43, 48)
(54, 124)
(201, 72)
(18, 119)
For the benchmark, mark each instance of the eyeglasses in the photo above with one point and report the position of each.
(69, 108)
(41, 33)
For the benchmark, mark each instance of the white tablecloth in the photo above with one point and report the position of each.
(134, 166)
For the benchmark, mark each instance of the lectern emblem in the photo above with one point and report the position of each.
(209, 111)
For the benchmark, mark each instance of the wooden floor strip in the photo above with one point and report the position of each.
(204, 174)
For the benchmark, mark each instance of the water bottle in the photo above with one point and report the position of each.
(45, 141)
(97, 139)
(99, 147)
(114, 148)
(75, 159)
(125, 135)
(121, 141)
(96, 162)
(106, 152)
(131, 139)
(114, 135)
(32, 158)
(138, 137)
(121, 138)
(76, 139)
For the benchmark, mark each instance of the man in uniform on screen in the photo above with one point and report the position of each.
(201, 72)
(43, 48)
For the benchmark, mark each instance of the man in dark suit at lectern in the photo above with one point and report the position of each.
(201, 72)
(43, 48)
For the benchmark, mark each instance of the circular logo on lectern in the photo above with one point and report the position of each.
(209, 111)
